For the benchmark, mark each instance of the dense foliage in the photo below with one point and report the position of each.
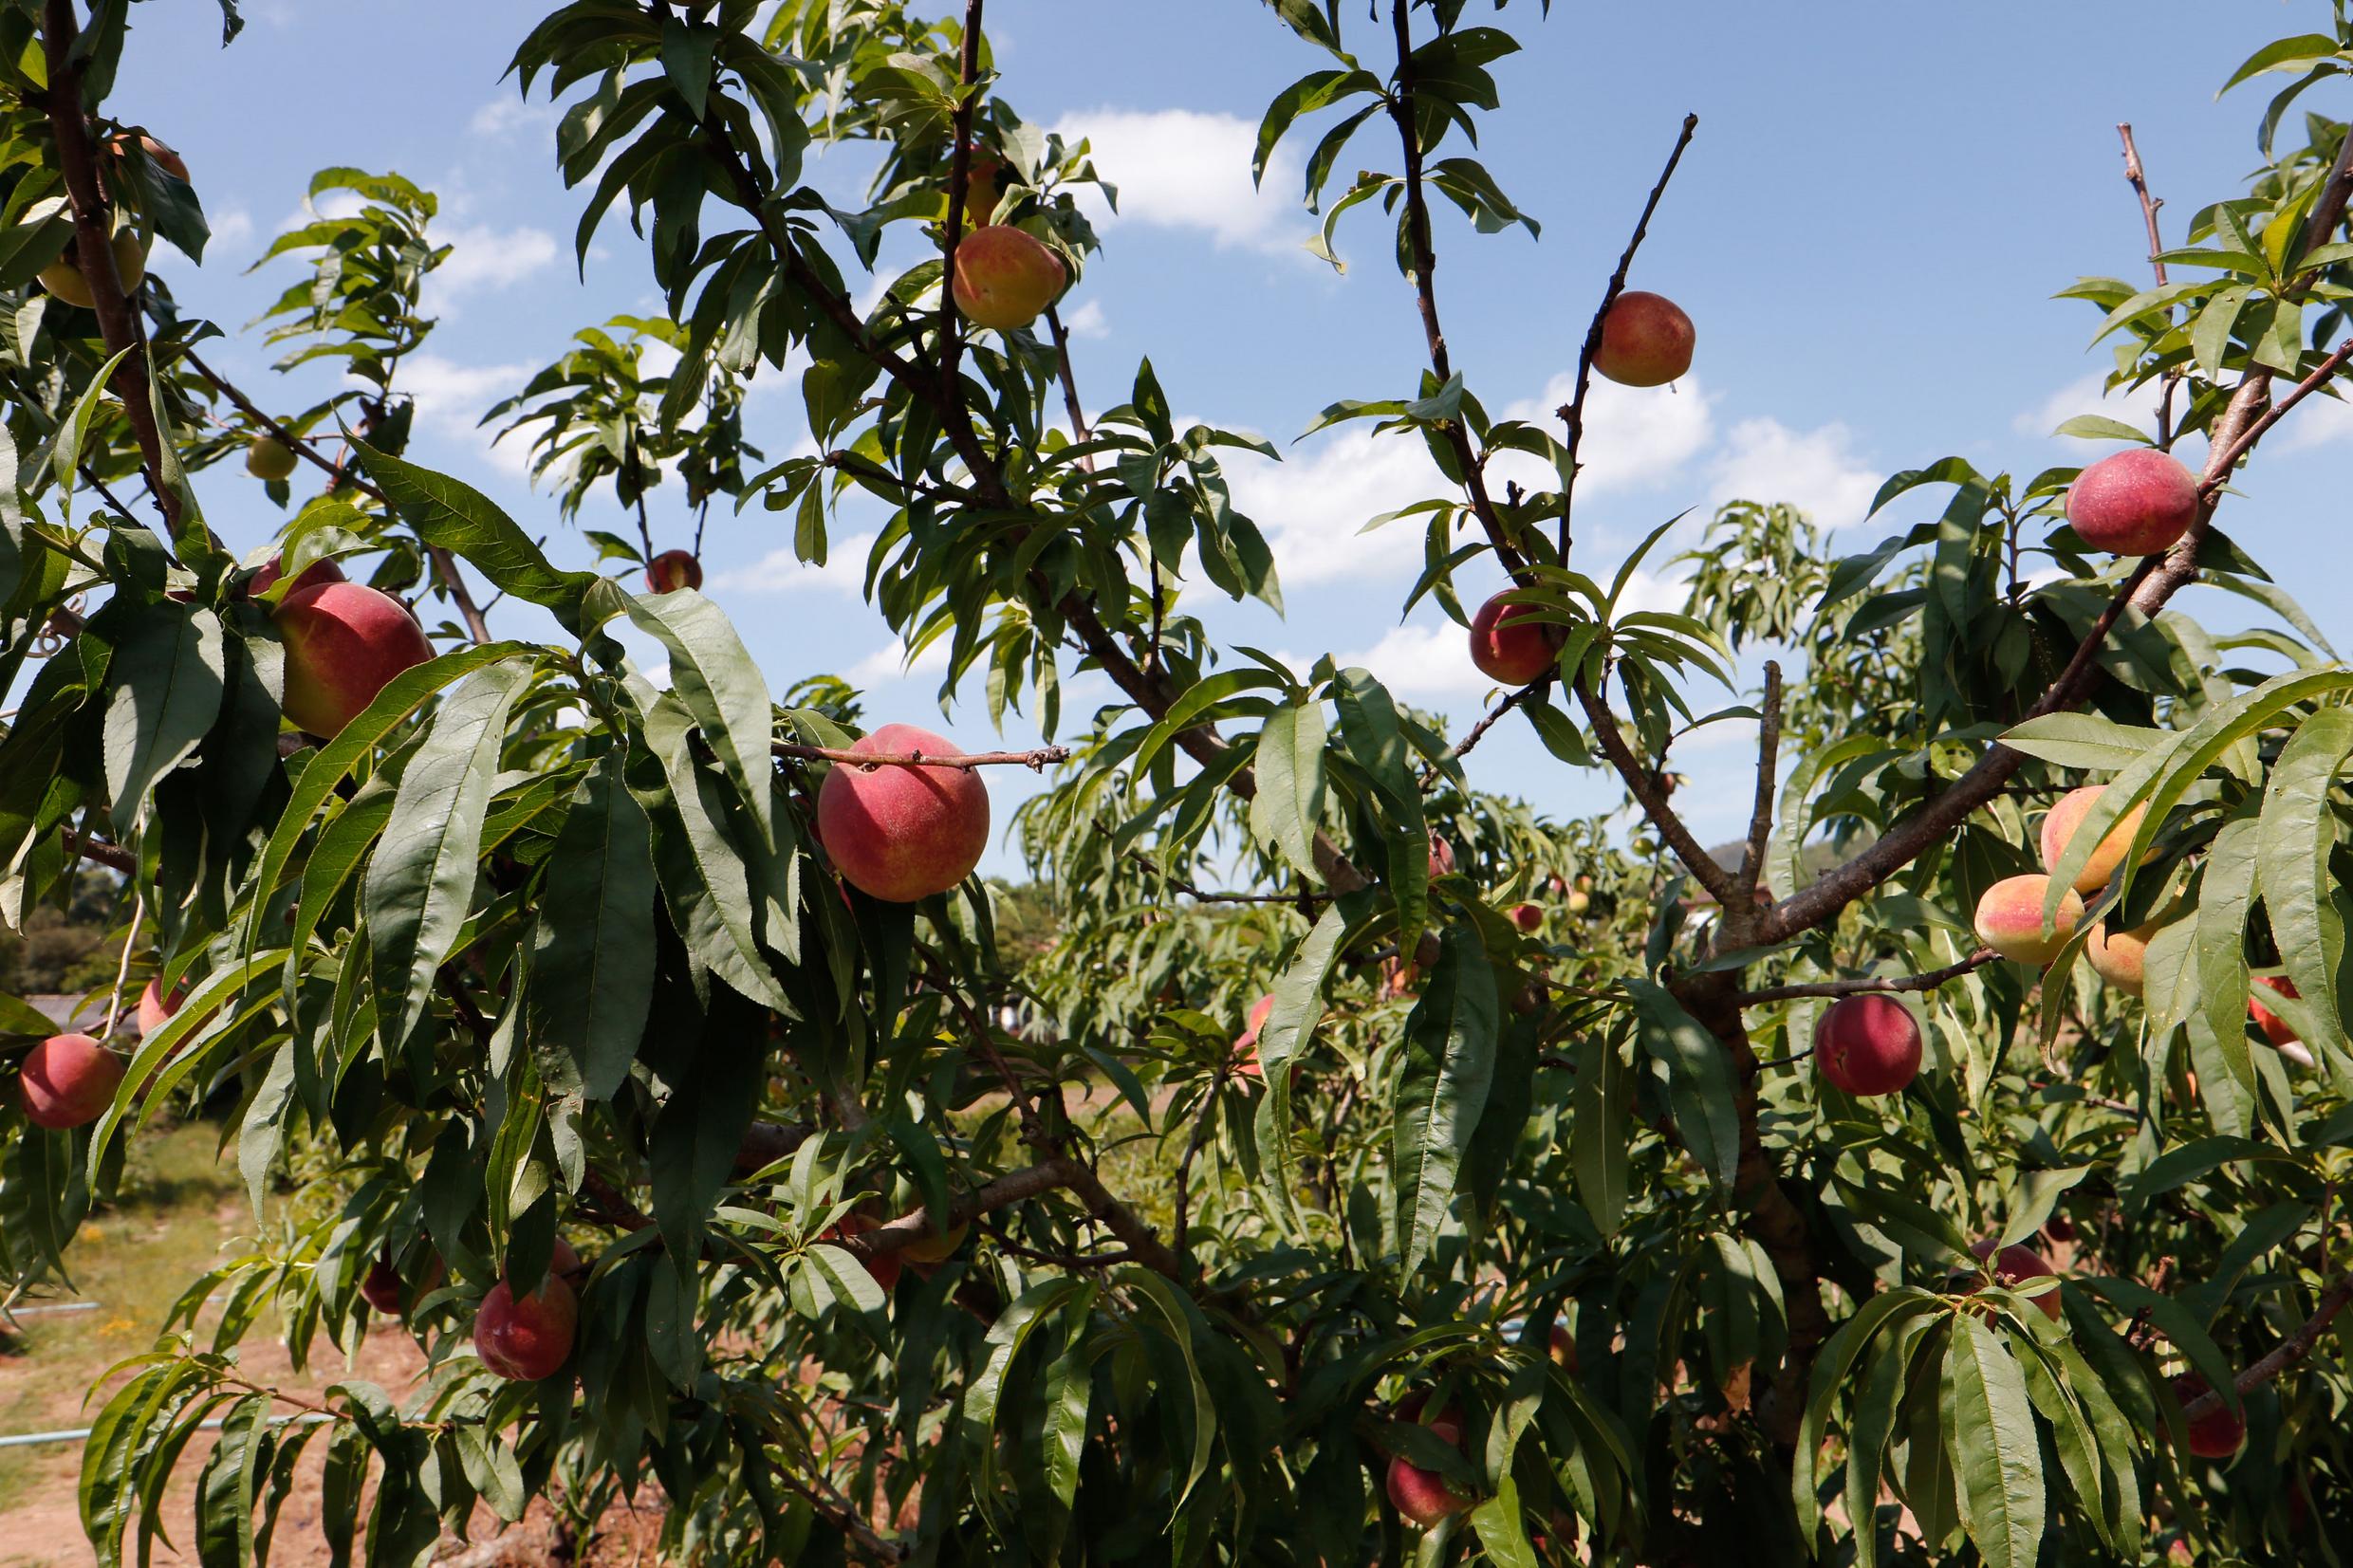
(1522, 1221)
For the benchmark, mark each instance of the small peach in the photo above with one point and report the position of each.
(1646, 340)
(2010, 919)
(1509, 645)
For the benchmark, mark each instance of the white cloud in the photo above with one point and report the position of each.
(233, 230)
(2320, 421)
(782, 572)
(1635, 437)
(889, 663)
(503, 116)
(1312, 504)
(1421, 661)
(1815, 471)
(1087, 322)
(485, 258)
(1182, 169)
(451, 399)
(2088, 394)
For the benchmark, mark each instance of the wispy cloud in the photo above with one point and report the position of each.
(1182, 169)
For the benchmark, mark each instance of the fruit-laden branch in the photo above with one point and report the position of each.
(1037, 759)
(444, 563)
(1574, 414)
(2283, 1356)
(1426, 289)
(1877, 984)
(118, 322)
(2154, 581)
(1650, 793)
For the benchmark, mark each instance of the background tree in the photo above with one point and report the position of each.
(1351, 1164)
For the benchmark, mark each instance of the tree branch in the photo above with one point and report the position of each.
(2156, 247)
(1431, 774)
(1761, 816)
(118, 322)
(2283, 1356)
(1425, 290)
(1644, 785)
(1875, 985)
(1036, 760)
(2218, 467)
(960, 176)
(1574, 414)
(1070, 388)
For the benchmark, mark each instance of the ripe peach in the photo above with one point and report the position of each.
(344, 642)
(984, 178)
(64, 279)
(1510, 646)
(1441, 859)
(527, 1339)
(883, 1266)
(2016, 1265)
(2214, 1436)
(1580, 901)
(903, 834)
(154, 1010)
(1868, 1044)
(673, 570)
(266, 576)
(2064, 818)
(1646, 340)
(2275, 1028)
(1563, 1347)
(383, 1290)
(1424, 1496)
(69, 1080)
(2010, 919)
(1245, 1044)
(1529, 917)
(2136, 503)
(270, 458)
(936, 1246)
(2120, 957)
(1004, 278)
(157, 153)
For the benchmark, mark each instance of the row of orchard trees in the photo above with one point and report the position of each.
(1429, 1180)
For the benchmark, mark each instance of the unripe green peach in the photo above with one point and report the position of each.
(269, 458)
(64, 279)
(2010, 919)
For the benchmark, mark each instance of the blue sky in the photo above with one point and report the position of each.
(1867, 231)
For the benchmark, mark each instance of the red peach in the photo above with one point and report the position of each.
(901, 834)
(1528, 917)
(2134, 503)
(344, 642)
(673, 570)
(1245, 1044)
(527, 1338)
(155, 1010)
(2064, 818)
(1564, 1347)
(1509, 645)
(265, 577)
(1441, 858)
(2019, 1265)
(2275, 1028)
(1424, 1496)
(983, 181)
(1004, 278)
(383, 1290)
(2214, 1436)
(1868, 1044)
(1646, 340)
(2010, 919)
(69, 1080)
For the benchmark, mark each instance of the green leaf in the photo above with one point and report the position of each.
(165, 685)
(1289, 807)
(2085, 740)
(458, 518)
(2299, 834)
(592, 968)
(713, 673)
(1601, 1136)
(420, 880)
(1699, 1080)
(1998, 1458)
(2283, 54)
(1450, 1059)
(2096, 427)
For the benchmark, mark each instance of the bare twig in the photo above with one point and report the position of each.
(1761, 816)
(1431, 774)
(1873, 985)
(1574, 414)
(2149, 205)
(1070, 396)
(2218, 467)
(123, 970)
(113, 857)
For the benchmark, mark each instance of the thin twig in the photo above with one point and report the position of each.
(1873, 985)
(1037, 759)
(1070, 395)
(123, 970)
(1761, 815)
(2218, 468)
(2283, 1356)
(1431, 774)
(113, 857)
(2149, 205)
(1574, 414)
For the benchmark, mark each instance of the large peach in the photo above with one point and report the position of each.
(1646, 340)
(2120, 957)
(2217, 1436)
(883, 1266)
(2136, 503)
(2059, 830)
(673, 570)
(1511, 647)
(69, 1080)
(1424, 1496)
(64, 279)
(2016, 1265)
(899, 833)
(530, 1338)
(265, 577)
(1004, 278)
(2010, 919)
(2275, 1028)
(1868, 1044)
(270, 458)
(344, 642)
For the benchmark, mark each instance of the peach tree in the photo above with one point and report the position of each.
(1365, 1166)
